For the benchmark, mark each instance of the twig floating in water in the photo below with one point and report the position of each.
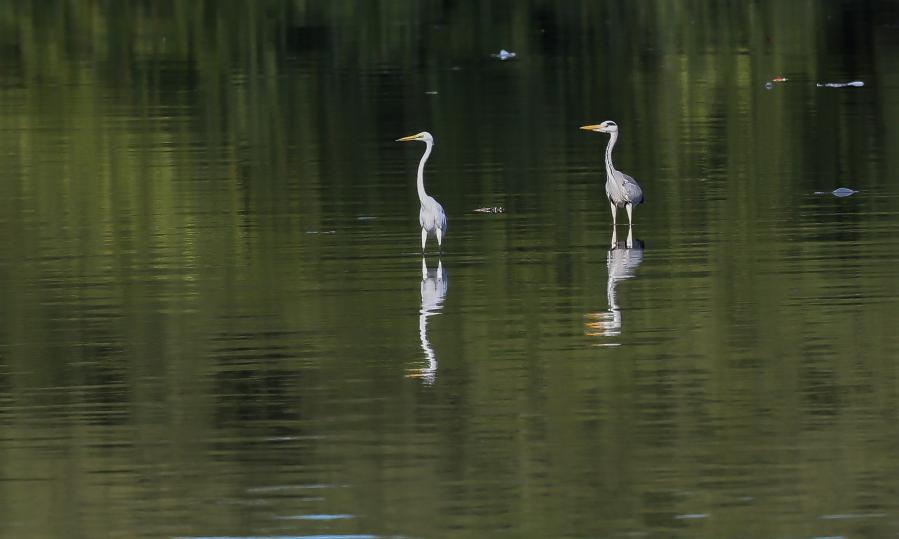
(770, 84)
(854, 84)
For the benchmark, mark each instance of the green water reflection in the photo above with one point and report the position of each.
(215, 319)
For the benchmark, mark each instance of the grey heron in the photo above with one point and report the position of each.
(431, 215)
(622, 190)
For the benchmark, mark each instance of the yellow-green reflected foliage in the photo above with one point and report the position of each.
(160, 158)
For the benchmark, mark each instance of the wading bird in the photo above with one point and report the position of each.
(622, 190)
(431, 216)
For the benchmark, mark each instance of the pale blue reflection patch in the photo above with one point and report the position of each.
(847, 516)
(317, 517)
(280, 488)
(691, 516)
(364, 536)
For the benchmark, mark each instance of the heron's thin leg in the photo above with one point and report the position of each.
(424, 238)
(439, 238)
(630, 214)
(424, 269)
(614, 241)
(614, 212)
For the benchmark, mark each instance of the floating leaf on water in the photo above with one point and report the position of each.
(839, 192)
(843, 192)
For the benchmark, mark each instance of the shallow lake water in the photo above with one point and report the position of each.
(217, 321)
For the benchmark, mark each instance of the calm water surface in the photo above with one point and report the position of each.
(216, 320)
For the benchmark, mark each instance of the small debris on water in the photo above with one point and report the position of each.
(770, 84)
(854, 84)
(494, 209)
(840, 192)
(503, 54)
(321, 232)
(431, 92)
(691, 516)
(365, 218)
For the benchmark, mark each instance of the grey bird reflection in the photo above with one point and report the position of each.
(433, 292)
(622, 261)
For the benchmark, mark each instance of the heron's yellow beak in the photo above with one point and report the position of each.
(407, 139)
(589, 127)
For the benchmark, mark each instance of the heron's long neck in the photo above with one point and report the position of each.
(609, 146)
(421, 172)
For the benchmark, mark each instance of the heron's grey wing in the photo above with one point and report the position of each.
(631, 188)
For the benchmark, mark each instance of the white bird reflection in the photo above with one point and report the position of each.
(622, 261)
(433, 291)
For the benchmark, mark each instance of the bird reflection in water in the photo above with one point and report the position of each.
(433, 291)
(622, 261)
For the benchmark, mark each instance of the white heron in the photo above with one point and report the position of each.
(433, 292)
(431, 216)
(622, 190)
